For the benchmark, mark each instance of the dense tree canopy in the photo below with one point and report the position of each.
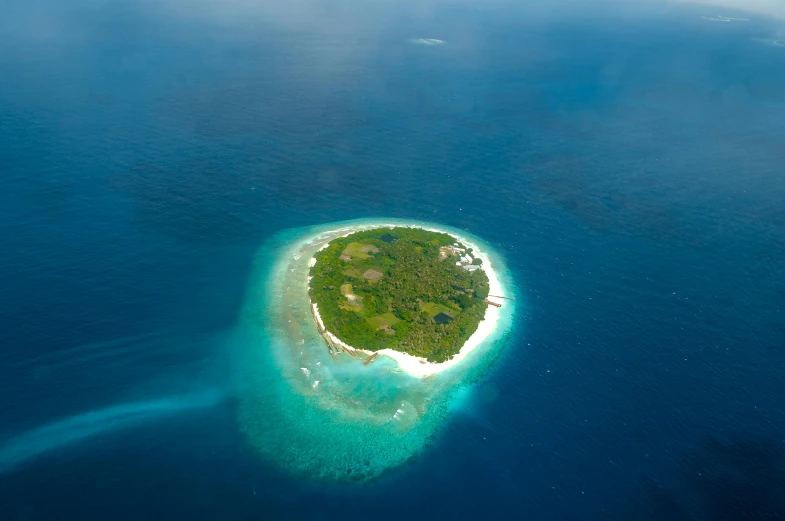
(382, 288)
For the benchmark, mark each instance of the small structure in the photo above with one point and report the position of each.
(499, 296)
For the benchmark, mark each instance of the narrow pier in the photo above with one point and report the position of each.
(499, 296)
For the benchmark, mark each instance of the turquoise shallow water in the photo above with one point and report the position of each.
(336, 419)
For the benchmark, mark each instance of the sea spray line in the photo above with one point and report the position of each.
(132, 344)
(102, 347)
(78, 428)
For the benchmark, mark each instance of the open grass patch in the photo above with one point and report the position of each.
(432, 309)
(390, 319)
(359, 251)
(352, 272)
(373, 275)
(384, 322)
(353, 302)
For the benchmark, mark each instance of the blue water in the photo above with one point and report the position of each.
(627, 161)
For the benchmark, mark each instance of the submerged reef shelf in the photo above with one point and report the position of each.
(333, 417)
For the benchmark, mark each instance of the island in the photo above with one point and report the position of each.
(341, 336)
(413, 294)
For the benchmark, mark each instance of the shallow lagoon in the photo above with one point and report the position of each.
(336, 419)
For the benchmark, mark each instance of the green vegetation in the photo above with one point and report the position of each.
(382, 288)
(356, 250)
(432, 309)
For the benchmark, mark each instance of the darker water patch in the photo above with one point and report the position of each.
(725, 480)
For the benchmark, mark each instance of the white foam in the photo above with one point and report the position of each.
(427, 41)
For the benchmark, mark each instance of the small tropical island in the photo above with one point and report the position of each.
(342, 330)
(406, 290)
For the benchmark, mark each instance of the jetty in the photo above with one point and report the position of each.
(370, 359)
(493, 303)
(499, 296)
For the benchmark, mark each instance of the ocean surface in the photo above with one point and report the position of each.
(627, 160)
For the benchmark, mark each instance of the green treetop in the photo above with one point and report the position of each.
(406, 289)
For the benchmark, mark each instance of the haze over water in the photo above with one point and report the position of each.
(624, 159)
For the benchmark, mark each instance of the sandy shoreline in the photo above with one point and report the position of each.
(420, 367)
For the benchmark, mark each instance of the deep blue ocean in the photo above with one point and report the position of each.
(627, 159)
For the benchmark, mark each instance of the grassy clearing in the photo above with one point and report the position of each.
(353, 302)
(432, 309)
(352, 272)
(359, 251)
(373, 275)
(354, 250)
(390, 319)
(385, 321)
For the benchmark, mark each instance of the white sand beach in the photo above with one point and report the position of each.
(420, 367)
